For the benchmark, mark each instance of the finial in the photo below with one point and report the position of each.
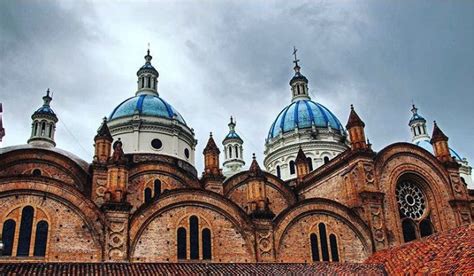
(210, 134)
(231, 120)
(148, 57)
(434, 122)
(253, 156)
(296, 60)
(414, 109)
(352, 107)
(104, 119)
(47, 92)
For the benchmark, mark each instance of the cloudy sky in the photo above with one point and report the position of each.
(222, 58)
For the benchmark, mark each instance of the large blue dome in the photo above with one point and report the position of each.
(146, 105)
(303, 114)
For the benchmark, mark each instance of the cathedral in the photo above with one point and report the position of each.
(321, 195)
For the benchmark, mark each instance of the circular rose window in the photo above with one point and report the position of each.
(411, 200)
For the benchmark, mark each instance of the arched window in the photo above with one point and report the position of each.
(409, 230)
(50, 131)
(147, 195)
(310, 163)
(314, 247)
(278, 172)
(157, 187)
(206, 244)
(26, 225)
(41, 239)
(324, 242)
(236, 151)
(43, 128)
(8, 234)
(230, 151)
(326, 159)
(292, 167)
(333, 244)
(148, 82)
(35, 128)
(425, 228)
(194, 237)
(298, 89)
(181, 240)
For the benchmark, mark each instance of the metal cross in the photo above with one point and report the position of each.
(294, 54)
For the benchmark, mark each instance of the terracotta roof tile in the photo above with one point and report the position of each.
(447, 253)
(187, 269)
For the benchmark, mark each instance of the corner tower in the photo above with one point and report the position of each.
(233, 151)
(44, 124)
(303, 124)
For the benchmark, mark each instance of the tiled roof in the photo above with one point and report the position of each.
(450, 252)
(187, 269)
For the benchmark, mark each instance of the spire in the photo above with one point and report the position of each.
(103, 131)
(254, 167)
(299, 83)
(44, 124)
(355, 127)
(440, 145)
(300, 157)
(438, 134)
(354, 119)
(147, 77)
(211, 146)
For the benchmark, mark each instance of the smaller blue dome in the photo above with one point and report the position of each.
(427, 146)
(45, 110)
(303, 114)
(146, 105)
(232, 135)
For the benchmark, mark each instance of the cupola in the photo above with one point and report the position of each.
(44, 124)
(233, 151)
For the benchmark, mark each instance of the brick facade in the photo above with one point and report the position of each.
(252, 216)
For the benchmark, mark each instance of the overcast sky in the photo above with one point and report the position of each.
(222, 58)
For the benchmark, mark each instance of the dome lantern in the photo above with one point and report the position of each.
(299, 83)
(233, 151)
(147, 77)
(44, 124)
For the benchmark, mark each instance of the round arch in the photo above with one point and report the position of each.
(190, 197)
(315, 206)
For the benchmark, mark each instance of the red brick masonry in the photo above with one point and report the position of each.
(451, 252)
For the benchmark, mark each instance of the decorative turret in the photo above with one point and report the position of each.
(440, 144)
(302, 167)
(418, 126)
(103, 143)
(212, 176)
(299, 83)
(147, 77)
(233, 151)
(44, 124)
(257, 195)
(355, 127)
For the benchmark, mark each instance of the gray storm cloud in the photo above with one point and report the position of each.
(222, 58)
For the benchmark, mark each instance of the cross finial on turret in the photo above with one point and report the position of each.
(296, 60)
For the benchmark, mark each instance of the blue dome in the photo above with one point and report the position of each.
(427, 146)
(146, 105)
(303, 114)
(45, 109)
